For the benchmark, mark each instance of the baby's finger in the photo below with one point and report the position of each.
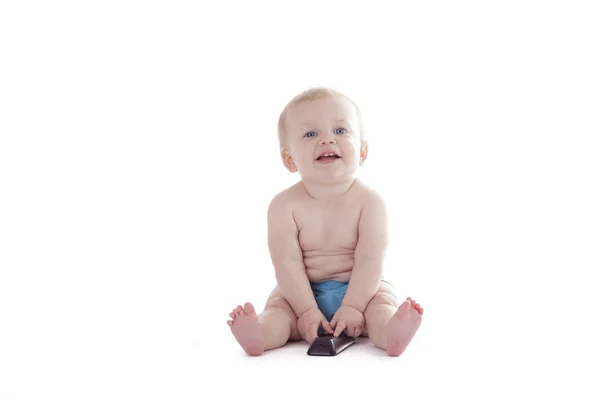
(359, 330)
(307, 337)
(313, 330)
(350, 331)
(327, 326)
(334, 321)
(339, 328)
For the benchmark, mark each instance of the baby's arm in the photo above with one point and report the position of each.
(287, 258)
(369, 254)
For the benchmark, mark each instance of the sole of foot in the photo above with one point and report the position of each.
(247, 330)
(402, 327)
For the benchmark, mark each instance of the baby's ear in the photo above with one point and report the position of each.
(288, 161)
(364, 151)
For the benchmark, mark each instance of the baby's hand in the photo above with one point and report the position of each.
(309, 322)
(348, 319)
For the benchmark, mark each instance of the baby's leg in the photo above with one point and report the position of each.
(272, 328)
(390, 325)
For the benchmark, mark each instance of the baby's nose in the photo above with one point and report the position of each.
(330, 140)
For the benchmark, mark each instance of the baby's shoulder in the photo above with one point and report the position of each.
(286, 198)
(368, 193)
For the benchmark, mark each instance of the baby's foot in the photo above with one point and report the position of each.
(247, 330)
(403, 326)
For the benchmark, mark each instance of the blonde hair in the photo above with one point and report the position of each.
(316, 93)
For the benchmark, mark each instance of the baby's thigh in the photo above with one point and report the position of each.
(276, 301)
(385, 295)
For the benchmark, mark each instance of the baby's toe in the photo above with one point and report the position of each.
(249, 308)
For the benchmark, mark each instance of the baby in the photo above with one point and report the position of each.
(327, 236)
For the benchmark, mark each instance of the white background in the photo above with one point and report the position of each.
(138, 155)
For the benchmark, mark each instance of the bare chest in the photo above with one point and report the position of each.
(331, 228)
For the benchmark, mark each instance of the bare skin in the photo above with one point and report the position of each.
(328, 254)
(328, 226)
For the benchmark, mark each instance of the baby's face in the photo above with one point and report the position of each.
(324, 126)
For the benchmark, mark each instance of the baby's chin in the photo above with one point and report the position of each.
(328, 172)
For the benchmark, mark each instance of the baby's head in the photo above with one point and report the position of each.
(322, 121)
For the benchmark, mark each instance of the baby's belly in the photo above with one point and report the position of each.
(324, 266)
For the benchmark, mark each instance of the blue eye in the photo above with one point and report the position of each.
(308, 134)
(343, 130)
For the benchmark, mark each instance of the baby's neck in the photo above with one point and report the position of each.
(327, 191)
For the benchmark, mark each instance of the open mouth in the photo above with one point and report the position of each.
(328, 157)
